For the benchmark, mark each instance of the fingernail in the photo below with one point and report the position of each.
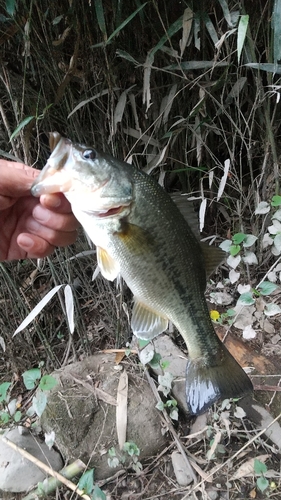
(26, 241)
(52, 200)
(41, 214)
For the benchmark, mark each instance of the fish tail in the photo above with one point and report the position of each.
(208, 382)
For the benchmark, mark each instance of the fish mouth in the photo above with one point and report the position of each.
(112, 211)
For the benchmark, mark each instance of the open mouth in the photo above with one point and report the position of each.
(111, 211)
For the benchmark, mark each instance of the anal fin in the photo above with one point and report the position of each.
(146, 323)
(108, 266)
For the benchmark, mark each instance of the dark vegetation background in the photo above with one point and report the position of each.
(158, 83)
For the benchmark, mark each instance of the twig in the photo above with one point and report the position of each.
(51, 483)
(171, 429)
(230, 459)
(46, 468)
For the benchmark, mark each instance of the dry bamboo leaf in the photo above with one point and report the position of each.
(119, 357)
(186, 28)
(121, 409)
(247, 468)
(224, 178)
(146, 80)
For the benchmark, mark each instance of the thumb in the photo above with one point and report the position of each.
(16, 180)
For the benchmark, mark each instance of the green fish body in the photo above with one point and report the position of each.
(141, 235)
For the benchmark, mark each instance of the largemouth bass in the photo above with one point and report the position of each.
(140, 234)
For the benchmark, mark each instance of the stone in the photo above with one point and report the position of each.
(18, 474)
(81, 410)
(183, 475)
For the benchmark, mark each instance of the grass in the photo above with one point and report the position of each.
(156, 83)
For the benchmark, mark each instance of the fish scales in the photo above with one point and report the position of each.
(142, 235)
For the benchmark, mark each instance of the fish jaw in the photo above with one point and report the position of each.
(88, 181)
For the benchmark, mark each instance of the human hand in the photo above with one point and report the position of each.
(31, 227)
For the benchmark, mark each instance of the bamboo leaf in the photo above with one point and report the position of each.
(20, 126)
(174, 28)
(241, 35)
(69, 307)
(11, 7)
(100, 16)
(226, 12)
(37, 309)
(122, 25)
(276, 26)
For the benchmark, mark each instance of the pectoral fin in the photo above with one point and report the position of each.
(146, 323)
(109, 267)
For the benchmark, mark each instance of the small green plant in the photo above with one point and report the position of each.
(87, 485)
(31, 378)
(260, 469)
(172, 406)
(131, 451)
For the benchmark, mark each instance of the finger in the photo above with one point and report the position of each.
(54, 237)
(57, 221)
(16, 182)
(56, 202)
(34, 246)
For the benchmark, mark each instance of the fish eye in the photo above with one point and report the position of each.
(89, 154)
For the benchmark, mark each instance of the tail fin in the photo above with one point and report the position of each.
(205, 384)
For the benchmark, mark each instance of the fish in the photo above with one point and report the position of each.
(141, 235)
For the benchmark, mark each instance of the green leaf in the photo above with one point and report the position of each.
(174, 28)
(269, 67)
(276, 201)
(30, 377)
(267, 287)
(160, 406)
(124, 23)
(275, 24)
(47, 382)
(4, 417)
(86, 482)
(246, 299)
(17, 416)
(259, 467)
(155, 362)
(131, 448)
(242, 31)
(262, 483)
(238, 238)
(20, 126)
(3, 390)
(249, 240)
(100, 16)
(113, 462)
(98, 494)
(11, 7)
(112, 452)
(234, 250)
(39, 402)
(142, 343)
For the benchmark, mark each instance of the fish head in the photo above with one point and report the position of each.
(94, 182)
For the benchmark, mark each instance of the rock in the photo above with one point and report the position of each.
(81, 410)
(18, 474)
(169, 352)
(183, 476)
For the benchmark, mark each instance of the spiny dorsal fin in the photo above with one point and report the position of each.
(146, 323)
(186, 208)
(213, 257)
(109, 267)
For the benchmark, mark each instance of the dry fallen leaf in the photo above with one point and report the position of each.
(121, 408)
(247, 468)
